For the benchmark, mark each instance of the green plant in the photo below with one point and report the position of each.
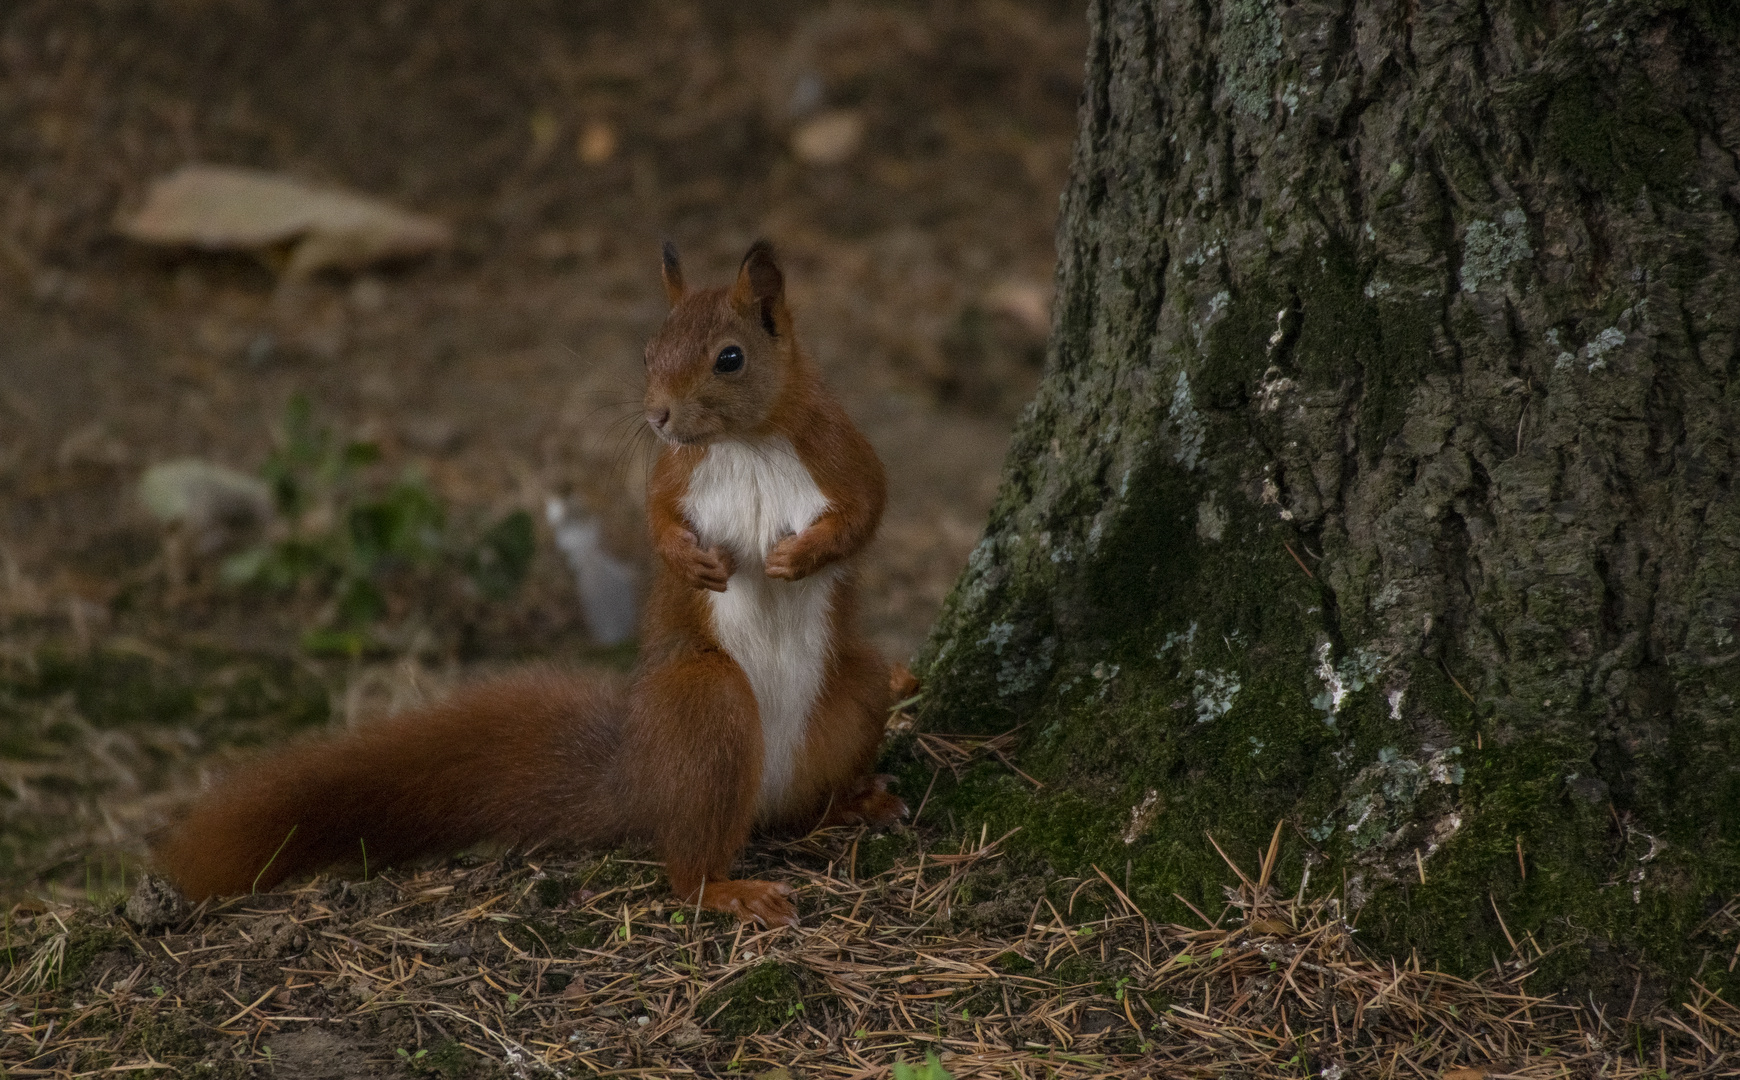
(931, 1070)
(346, 537)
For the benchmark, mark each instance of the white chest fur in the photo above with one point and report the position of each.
(747, 497)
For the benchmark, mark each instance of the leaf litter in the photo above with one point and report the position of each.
(526, 965)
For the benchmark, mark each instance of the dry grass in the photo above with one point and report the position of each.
(521, 966)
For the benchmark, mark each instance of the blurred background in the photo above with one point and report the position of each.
(267, 465)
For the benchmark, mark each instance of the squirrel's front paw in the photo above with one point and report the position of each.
(791, 559)
(868, 803)
(702, 568)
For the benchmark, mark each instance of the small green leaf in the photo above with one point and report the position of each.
(334, 642)
(1184, 958)
(503, 557)
(243, 568)
(1216, 954)
(358, 454)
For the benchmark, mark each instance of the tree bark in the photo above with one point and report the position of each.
(1380, 480)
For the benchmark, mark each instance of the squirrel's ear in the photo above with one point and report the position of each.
(672, 273)
(760, 289)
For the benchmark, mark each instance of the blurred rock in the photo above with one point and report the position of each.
(597, 143)
(213, 502)
(1027, 302)
(606, 583)
(228, 209)
(829, 139)
(155, 904)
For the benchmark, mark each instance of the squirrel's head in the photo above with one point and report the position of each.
(718, 365)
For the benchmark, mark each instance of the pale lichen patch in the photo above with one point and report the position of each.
(1211, 519)
(1600, 345)
(1250, 49)
(1213, 694)
(1354, 673)
(1489, 248)
(1192, 431)
(1142, 815)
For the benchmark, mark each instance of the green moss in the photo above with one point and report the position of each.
(1077, 969)
(552, 891)
(535, 936)
(763, 999)
(1619, 137)
(87, 939)
(1012, 963)
(166, 1034)
(448, 1058)
(879, 852)
(208, 688)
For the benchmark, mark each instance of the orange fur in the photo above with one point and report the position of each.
(676, 758)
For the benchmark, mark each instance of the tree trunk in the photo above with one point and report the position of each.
(1380, 480)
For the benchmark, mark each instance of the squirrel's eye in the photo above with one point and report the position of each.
(730, 359)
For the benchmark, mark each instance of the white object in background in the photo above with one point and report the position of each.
(606, 583)
(214, 502)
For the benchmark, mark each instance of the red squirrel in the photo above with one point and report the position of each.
(755, 701)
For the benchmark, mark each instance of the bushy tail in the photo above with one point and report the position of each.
(517, 760)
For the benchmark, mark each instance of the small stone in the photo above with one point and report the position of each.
(155, 903)
(1027, 302)
(597, 143)
(829, 139)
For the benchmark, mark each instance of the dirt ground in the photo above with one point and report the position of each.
(562, 141)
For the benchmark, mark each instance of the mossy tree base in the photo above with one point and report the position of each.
(1380, 479)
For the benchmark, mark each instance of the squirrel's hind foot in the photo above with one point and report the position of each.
(765, 902)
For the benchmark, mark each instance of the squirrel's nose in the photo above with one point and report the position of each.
(658, 418)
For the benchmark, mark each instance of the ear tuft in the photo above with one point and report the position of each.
(760, 287)
(672, 273)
